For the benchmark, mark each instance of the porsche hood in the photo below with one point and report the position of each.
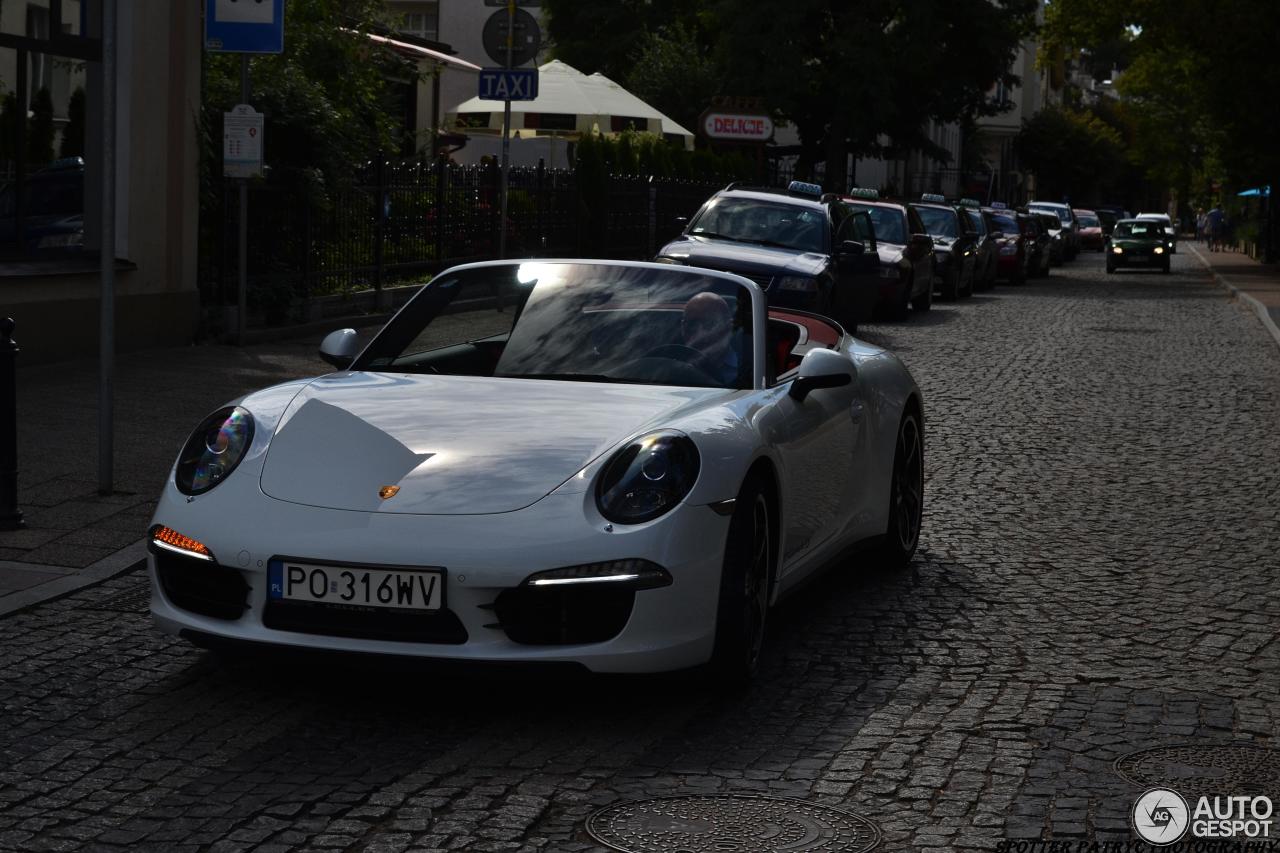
(451, 445)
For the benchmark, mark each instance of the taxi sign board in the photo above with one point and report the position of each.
(999, 205)
(969, 202)
(244, 26)
(934, 198)
(864, 192)
(242, 142)
(805, 188)
(509, 84)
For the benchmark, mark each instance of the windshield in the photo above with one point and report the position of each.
(890, 224)
(1088, 221)
(1064, 215)
(1145, 228)
(750, 220)
(975, 219)
(939, 222)
(1005, 223)
(577, 322)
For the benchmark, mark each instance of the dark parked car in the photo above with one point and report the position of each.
(1053, 229)
(1138, 243)
(986, 237)
(52, 220)
(1011, 250)
(905, 250)
(953, 246)
(806, 250)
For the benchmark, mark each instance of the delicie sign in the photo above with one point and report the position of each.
(747, 128)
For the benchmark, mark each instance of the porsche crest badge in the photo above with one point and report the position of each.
(388, 492)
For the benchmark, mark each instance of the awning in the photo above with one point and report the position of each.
(419, 52)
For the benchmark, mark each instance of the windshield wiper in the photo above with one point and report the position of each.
(716, 236)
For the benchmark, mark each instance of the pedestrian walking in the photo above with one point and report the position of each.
(1213, 227)
(1200, 225)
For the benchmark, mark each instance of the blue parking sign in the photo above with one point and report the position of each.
(244, 26)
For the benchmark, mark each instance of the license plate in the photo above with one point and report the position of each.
(1139, 256)
(400, 589)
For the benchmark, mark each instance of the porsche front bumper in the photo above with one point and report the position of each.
(483, 557)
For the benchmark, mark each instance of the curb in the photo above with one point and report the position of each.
(126, 559)
(1258, 308)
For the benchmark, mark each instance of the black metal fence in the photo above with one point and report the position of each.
(403, 222)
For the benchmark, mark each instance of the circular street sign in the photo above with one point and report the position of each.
(525, 44)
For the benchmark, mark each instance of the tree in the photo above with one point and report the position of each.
(673, 71)
(1194, 81)
(326, 98)
(847, 73)
(1072, 153)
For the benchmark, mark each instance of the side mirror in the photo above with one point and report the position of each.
(821, 368)
(853, 248)
(680, 223)
(922, 240)
(340, 348)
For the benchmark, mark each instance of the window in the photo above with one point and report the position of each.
(422, 20)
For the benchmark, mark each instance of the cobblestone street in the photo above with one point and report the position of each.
(1097, 575)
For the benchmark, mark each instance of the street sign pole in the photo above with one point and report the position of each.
(107, 259)
(242, 261)
(506, 133)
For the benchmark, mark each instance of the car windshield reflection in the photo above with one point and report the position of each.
(748, 220)
(577, 322)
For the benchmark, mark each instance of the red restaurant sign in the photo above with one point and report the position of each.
(744, 128)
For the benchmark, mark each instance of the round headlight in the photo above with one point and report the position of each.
(647, 477)
(214, 450)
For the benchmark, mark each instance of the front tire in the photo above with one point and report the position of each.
(744, 589)
(925, 302)
(906, 493)
(900, 309)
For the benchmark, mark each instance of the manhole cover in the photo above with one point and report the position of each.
(1227, 769)
(136, 599)
(730, 824)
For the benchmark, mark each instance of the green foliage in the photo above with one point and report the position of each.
(324, 98)
(847, 73)
(673, 70)
(1073, 153)
(40, 130)
(1196, 73)
(72, 144)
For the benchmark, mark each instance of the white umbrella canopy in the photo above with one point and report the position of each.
(593, 100)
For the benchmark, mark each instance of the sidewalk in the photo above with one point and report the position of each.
(1256, 284)
(73, 536)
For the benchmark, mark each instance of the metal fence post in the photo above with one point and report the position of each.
(540, 192)
(380, 231)
(653, 217)
(10, 515)
(442, 183)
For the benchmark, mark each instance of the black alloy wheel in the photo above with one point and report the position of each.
(900, 309)
(906, 493)
(744, 589)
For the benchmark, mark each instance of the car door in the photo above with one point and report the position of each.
(818, 441)
(859, 278)
(920, 252)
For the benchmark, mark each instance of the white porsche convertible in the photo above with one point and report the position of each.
(618, 465)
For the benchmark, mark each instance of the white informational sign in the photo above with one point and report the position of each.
(244, 11)
(242, 142)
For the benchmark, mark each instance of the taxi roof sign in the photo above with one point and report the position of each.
(805, 188)
(969, 202)
(937, 198)
(863, 192)
(999, 205)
